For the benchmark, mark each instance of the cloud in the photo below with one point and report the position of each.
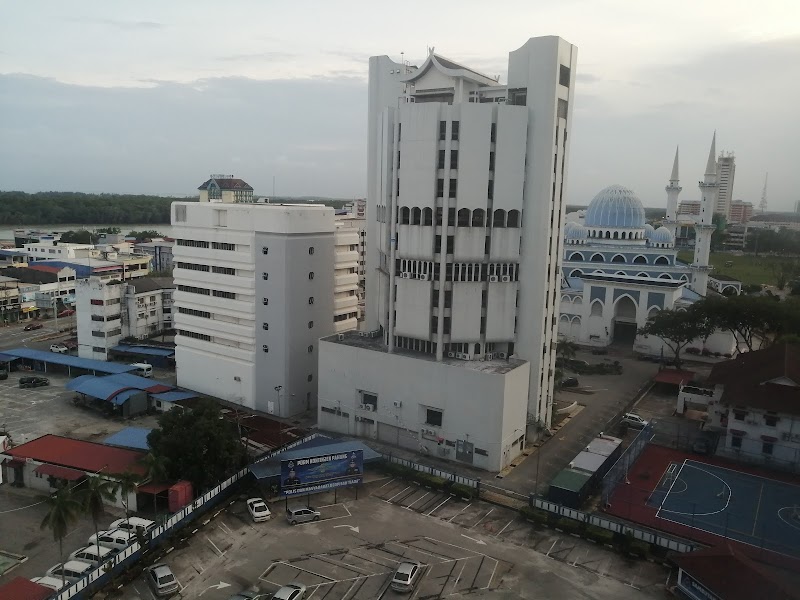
(126, 25)
(583, 77)
(260, 56)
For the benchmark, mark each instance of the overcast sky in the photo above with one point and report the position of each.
(152, 96)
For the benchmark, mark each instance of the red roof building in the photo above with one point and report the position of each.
(20, 588)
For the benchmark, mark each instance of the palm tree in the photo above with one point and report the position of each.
(127, 483)
(92, 495)
(64, 509)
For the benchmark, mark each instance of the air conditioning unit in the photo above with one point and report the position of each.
(237, 378)
(375, 333)
(467, 356)
(368, 407)
(505, 279)
(501, 355)
(493, 279)
(362, 333)
(340, 337)
(459, 355)
(425, 276)
(451, 355)
(405, 275)
(397, 403)
(362, 406)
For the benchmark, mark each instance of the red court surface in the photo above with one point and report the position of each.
(629, 500)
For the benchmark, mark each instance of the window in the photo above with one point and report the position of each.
(311, 324)
(770, 420)
(454, 131)
(491, 161)
(194, 313)
(265, 276)
(563, 75)
(194, 290)
(440, 164)
(265, 301)
(490, 191)
(493, 137)
(311, 275)
(433, 417)
(223, 246)
(265, 326)
(265, 348)
(223, 270)
(450, 244)
(180, 214)
(192, 266)
(767, 447)
(97, 302)
(311, 250)
(310, 378)
(310, 349)
(442, 130)
(192, 334)
(264, 250)
(452, 191)
(736, 441)
(311, 299)
(440, 188)
(739, 415)
(563, 109)
(453, 159)
(192, 243)
(221, 294)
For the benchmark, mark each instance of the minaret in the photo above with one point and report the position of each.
(673, 189)
(704, 226)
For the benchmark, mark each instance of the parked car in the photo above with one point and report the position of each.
(634, 420)
(569, 382)
(71, 345)
(32, 326)
(51, 582)
(245, 595)
(258, 510)
(94, 554)
(66, 313)
(301, 514)
(406, 576)
(30, 381)
(74, 570)
(60, 348)
(292, 591)
(131, 523)
(115, 538)
(161, 580)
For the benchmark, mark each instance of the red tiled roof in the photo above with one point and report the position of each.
(77, 454)
(747, 379)
(60, 472)
(733, 576)
(228, 184)
(20, 588)
(673, 376)
(44, 268)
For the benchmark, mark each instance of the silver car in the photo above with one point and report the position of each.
(301, 514)
(291, 591)
(161, 580)
(406, 576)
(633, 420)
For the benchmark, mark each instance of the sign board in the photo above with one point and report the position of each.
(312, 474)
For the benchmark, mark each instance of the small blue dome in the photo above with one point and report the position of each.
(648, 231)
(662, 235)
(576, 231)
(615, 206)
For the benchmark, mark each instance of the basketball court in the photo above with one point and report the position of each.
(750, 509)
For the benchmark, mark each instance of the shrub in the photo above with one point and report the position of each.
(569, 525)
(536, 515)
(717, 354)
(462, 491)
(727, 355)
(599, 535)
(706, 352)
(692, 351)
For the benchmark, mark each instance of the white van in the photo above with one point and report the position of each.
(94, 554)
(116, 539)
(143, 369)
(74, 570)
(132, 523)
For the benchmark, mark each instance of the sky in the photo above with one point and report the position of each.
(152, 96)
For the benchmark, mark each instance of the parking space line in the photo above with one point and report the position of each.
(441, 557)
(504, 528)
(398, 493)
(387, 483)
(281, 562)
(417, 500)
(225, 528)
(483, 517)
(450, 520)
(445, 501)
(551, 547)
(455, 585)
(220, 552)
(496, 564)
(472, 552)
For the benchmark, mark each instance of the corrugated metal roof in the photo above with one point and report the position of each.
(570, 479)
(588, 462)
(69, 361)
(78, 454)
(124, 395)
(174, 396)
(141, 383)
(319, 446)
(4, 358)
(144, 350)
(130, 437)
(110, 386)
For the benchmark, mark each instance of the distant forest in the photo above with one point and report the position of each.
(54, 208)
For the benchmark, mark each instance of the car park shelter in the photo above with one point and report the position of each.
(126, 394)
(269, 471)
(20, 588)
(39, 360)
(134, 438)
(158, 357)
(50, 461)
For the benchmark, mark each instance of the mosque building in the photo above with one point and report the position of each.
(618, 271)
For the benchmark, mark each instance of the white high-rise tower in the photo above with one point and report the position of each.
(673, 190)
(466, 180)
(704, 226)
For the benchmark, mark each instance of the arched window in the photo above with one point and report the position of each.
(651, 314)
(478, 217)
(661, 260)
(665, 276)
(513, 218)
(620, 273)
(477, 348)
(576, 273)
(415, 216)
(642, 275)
(427, 217)
(576, 256)
(618, 258)
(463, 217)
(616, 235)
(684, 278)
(405, 215)
(597, 257)
(597, 309)
(608, 235)
(499, 218)
(640, 260)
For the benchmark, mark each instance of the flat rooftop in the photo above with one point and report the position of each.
(354, 340)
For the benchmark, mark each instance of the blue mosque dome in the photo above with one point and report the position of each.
(615, 206)
(575, 231)
(648, 231)
(662, 235)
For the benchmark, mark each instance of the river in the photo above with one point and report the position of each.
(7, 234)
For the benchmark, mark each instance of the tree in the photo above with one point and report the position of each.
(148, 234)
(127, 483)
(93, 494)
(198, 444)
(754, 320)
(156, 471)
(77, 237)
(566, 350)
(678, 327)
(63, 511)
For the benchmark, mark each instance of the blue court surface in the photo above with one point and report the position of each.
(743, 507)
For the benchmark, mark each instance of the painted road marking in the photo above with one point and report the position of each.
(445, 501)
(483, 517)
(450, 520)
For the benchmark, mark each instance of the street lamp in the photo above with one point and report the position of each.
(278, 389)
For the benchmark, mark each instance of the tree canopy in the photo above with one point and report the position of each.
(755, 320)
(679, 327)
(197, 444)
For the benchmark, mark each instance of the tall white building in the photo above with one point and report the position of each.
(255, 292)
(465, 186)
(350, 239)
(726, 170)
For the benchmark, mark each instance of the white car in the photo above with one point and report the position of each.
(59, 348)
(51, 582)
(258, 510)
(94, 554)
(292, 591)
(117, 539)
(74, 570)
(634, 420)
(131, 523)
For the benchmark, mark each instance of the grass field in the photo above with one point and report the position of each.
(746, 268)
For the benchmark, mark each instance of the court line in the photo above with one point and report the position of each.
(742, 473)
(758, 507)
(697, 514)
(661, 506)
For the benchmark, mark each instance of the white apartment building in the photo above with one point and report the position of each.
(110, 311)
(726, 170)
(52, 250)
(255, 292)
(351, 236)
(464, 203)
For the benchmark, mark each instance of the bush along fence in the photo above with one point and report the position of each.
(630, 540)
(120, 569)
(434, 478)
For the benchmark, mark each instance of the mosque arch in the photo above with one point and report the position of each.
(427, 217)
(597, 257)
(624, 321)
(416, 215)
(651, 314)
(513, 218)
(618, 258)
(608, 235)
(642, 274)
(405, 215)
(640, 259)
(576, 273)
(478, 217)
(620, 273)
(684, 278)
(596, 309)
(577, 300)
(463, 218)
(616, 235)
(661, 260)
(576, 256)
(499, 218)
(665, 276)
(732, 289)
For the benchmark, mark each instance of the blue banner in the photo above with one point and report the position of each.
(314, 474)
